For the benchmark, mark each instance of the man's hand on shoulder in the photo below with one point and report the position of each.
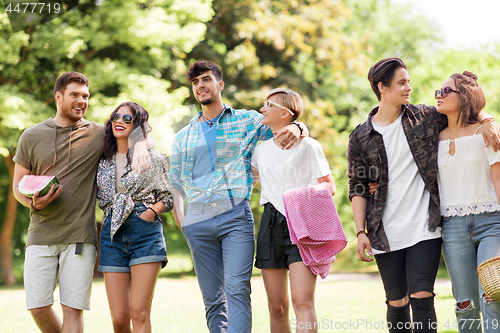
(491, 133)
(291, 133)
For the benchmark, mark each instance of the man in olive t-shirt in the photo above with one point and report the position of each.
(62, 236)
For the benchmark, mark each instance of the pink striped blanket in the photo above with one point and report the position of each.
(314, 226)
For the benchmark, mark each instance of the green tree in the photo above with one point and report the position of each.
(129, 50)
(321, 48)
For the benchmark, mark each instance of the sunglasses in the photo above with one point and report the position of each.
(127, 119)
(268, 104)
(444, 92)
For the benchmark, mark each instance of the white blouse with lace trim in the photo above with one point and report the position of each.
(465, 183)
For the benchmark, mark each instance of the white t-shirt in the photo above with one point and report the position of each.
(406, 212)
(282, 170)
(465, 183)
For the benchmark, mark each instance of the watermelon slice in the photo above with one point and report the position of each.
(30, 184)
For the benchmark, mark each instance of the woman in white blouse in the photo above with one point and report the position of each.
(469, 185)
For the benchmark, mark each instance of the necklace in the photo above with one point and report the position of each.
(211, 122)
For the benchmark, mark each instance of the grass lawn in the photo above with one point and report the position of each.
(344, 302)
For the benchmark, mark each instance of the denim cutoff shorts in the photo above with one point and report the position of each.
(137, 241)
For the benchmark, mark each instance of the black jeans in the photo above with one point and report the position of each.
(410, 270)
(405, 272)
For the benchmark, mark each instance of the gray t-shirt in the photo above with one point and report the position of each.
(71, 154)
(121, 164)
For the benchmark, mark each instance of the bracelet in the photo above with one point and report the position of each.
(487, 119)
(298, 125)
(360, 232)
(156, 215)
(36, 210)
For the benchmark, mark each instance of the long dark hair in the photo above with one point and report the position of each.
(140, 116)
(470, 97)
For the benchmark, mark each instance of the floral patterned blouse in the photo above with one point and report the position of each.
(147, 187)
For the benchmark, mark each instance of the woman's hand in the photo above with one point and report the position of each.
(372, 188)
(148, 215)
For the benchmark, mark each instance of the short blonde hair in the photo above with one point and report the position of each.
(289, 99)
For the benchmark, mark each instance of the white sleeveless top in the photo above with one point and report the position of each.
(465, 183)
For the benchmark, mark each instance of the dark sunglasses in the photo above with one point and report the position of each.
(127, 119)
(444, 92)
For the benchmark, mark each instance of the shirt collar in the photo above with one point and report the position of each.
(194, 120)
(369, 124)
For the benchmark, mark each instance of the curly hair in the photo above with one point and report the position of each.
(470, 97)
(202, 66)
(140, 116)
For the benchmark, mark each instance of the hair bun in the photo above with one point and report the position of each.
(471, 75)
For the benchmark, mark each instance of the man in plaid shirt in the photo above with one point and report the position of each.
(210, 165)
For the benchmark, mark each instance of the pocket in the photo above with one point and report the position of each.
(264, 243)
(105, 222)
(249, 214)
(137, 214)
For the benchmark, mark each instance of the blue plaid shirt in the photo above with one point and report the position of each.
(238, 131)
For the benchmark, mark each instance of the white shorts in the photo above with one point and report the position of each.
(42, 265)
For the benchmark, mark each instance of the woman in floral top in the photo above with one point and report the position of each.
(133, 246)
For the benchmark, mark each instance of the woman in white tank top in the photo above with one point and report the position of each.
(469, 186)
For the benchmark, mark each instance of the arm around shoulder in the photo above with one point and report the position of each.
(490, 130)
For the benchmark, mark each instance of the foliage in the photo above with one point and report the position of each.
(129, 50)
(140, 50)
(322, 49)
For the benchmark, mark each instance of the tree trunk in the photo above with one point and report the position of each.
(8, 228)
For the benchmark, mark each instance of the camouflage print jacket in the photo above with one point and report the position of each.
(367, 162)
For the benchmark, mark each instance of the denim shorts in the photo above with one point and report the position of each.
(274, 246)
(137, 241)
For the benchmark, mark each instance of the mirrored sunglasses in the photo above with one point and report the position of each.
(127, 119)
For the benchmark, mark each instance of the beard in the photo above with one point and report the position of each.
(208, 100)
(67, 112)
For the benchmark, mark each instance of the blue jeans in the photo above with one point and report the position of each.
(137, 241)
(467, 242)
(222, 247)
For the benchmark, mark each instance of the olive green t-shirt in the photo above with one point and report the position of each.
(71, 154)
